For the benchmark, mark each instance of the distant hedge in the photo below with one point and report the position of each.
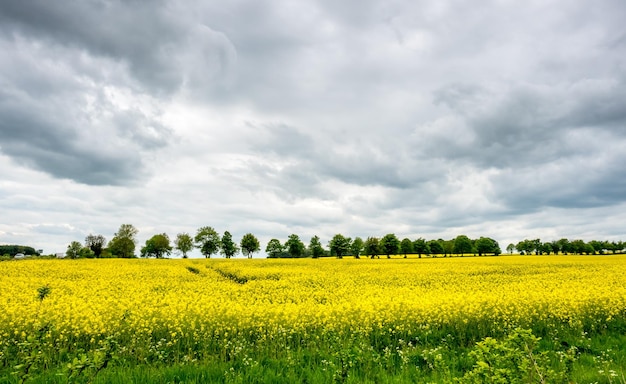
(13, 250)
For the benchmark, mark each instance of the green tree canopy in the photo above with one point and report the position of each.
(208, 241)
(420, 246)
(229, 247)
(510, 248)
(294, 246)
(124, 241)
(371, 247)
(339, 245)
(357, 247)
(435, 247)
(183, 243)
(406, 246)
(249, 245)
(157, 246)
(486, 245)
(73, 250)
(274, 248)
(462, 245)
(13, 250)
(389, 245)
(315, 247)
(96, 243)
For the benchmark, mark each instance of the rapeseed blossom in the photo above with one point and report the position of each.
(152, 306)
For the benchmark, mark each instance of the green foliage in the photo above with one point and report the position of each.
(193, 270)
(486, 245)
(390, 245)
(43, 292)
(339, 245)
(73, 250)
(157, 246)
(124, 241)
(13, 250)
(274, 249)
(228, 246)
(183, 243)
(208, 241)
(462, 245)
(371, 247)
(86, 252)
(421, 247)
(249, 245)
(95, 243)
(406, 246)
(316, 249)
(515, 360)
(294, 246)
(435, 247)
(357, 247)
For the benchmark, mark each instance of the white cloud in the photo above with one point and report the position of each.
(496, 119)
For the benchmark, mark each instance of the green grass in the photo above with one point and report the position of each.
(563, 354)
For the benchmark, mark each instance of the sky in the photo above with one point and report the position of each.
(431, 119)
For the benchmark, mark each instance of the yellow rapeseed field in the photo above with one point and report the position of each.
(99, 297)
(176, 311)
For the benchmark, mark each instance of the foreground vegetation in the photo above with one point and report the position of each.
(492, 319)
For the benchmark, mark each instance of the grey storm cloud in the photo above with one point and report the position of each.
(75, 73)
(433, 114)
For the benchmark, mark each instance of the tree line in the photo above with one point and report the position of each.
(209, 242)
(566, 246)
(12, 250)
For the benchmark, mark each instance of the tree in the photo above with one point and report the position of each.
(183, 243)
(536, 245)
(95, 243)
(229, 248)
(249, 245)
(73, 250)
(315, 247)
(294, 246)
(510, 248)
(435, 247)
(578, 246)
(420, 246)
(406, 246)
(123, 242)
(274, 249)
(356, 247)
(339, 245)
(556, 247)
(448, 247)
(616, 246)
(598, 246)
(372, 247)
(462, 245)
(565, 246)
(547, 248)
(13, 250)
(208, 241)
(390, 245)
(525, 246)
(86, 252)
(157, 246)
(486, 245)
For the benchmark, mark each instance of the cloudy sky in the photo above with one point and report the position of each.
(426, 118)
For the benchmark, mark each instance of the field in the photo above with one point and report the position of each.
(527, 319)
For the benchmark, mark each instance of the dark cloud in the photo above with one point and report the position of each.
(159, 47)
(416, 116)
(59, 133)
